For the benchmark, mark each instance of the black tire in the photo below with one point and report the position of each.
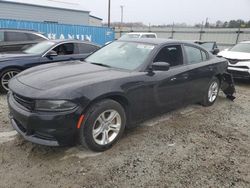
(86, 137)
(206, 101)
(3, 74)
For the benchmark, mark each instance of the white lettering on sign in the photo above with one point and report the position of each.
(54, 36)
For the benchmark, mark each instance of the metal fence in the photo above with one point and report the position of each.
(224, 37)
(98, 35)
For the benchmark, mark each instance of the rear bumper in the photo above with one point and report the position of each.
(239, 72)
(50, 129)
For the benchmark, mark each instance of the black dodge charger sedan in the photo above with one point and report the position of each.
(42, 53)
(118, 86)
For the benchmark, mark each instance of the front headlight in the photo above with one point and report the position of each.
(54, 105)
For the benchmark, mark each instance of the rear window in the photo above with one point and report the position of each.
(34, 37)
(86, 48)
(16, 36)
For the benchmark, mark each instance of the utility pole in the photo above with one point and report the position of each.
(109, 4)
(122, 6)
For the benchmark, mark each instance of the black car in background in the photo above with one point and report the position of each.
(13, 40)
(120, 85)
(44, 52)
(210, 46)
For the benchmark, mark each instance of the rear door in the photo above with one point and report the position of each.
(200, 71)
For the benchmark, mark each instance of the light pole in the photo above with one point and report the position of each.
(122, 6)
(109, 4)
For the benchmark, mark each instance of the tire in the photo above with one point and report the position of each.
(212, 92)
(5, 76)
(99, 122)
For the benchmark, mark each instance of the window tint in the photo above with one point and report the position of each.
(34, 37)
(86, 48)
(170, 54)
(194, 55)
(148, 36)
(66, 49)
(1, 36)
(16, 36)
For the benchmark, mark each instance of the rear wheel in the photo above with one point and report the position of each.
(212, 92)
(5, 77)
(104, 125)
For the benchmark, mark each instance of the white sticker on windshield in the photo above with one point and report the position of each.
(144, 46)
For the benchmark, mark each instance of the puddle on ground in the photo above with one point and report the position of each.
(80, 153)
(7, 136)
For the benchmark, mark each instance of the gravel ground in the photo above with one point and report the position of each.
(189, 147)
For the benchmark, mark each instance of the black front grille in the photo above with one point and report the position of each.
(233, 61)
(24, 101)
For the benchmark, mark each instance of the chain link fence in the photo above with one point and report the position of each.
(225, 37)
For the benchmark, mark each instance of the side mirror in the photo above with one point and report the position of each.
(215, 51)
(51, 54)
(160, 66)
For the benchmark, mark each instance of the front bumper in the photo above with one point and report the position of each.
(239, 72)
(45, 128)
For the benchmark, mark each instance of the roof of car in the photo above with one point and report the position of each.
(245, 42)
(72, 40)
(155, 41)
(139, 33)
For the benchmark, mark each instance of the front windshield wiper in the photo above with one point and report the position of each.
(100, 64)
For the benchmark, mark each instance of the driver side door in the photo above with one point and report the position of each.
(65, 52)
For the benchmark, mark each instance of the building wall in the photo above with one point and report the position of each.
(41, 14)
(95, 21)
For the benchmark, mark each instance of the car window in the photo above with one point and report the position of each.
(1, 36)
(66, 49)
(204, 55)
(241, 47)
(194, 55)
(170, 54)
(148, 36)
(123, 55)
(86, 48)
(16, 36)
(208, 45)
(34, 37)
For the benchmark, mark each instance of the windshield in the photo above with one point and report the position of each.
(130, 36)
(242, 47)
(39, 48)
(207, 45)
(123, 55)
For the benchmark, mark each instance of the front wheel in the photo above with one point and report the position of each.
(212, 92)
(104, 125)
(5, 77)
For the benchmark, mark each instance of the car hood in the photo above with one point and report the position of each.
(69, 74)
(8, 57)
(235, 55)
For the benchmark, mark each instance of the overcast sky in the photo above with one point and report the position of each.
(169, 11)
(159, 11)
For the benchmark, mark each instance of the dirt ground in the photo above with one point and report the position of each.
(190, 147)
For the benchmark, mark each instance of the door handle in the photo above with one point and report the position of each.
(211, 68)
(185, 76)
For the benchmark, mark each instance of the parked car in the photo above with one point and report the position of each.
(42, 53)
(239, 60)
(211, 46)
(120, 85)
(13, 40)
(138, 35)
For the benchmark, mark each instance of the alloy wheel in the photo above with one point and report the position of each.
(107, 127)
(6, 78)
(213, 92)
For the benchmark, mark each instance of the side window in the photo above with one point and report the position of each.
(1, 36)
(66, 49)
(148, 36)
(86, 48)
(170, 54)
(16, 36)
(194, 55)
